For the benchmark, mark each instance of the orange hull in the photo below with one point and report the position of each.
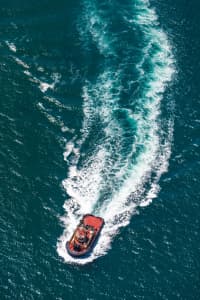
(84, 236)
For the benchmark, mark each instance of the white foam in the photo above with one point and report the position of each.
(43, 86)
(11, 46)
(66, 129)
(57, 103)
(68, 149)
(21, 62)
(96, 26)
(55, 120)
(83, 185)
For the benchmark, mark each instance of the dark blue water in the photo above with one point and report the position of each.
(99, 113)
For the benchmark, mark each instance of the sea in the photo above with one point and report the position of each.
(100, 114)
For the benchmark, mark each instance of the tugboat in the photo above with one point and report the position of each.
(85, 235)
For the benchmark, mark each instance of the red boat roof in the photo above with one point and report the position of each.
(93, 221)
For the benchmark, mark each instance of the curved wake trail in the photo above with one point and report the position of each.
(125, 160)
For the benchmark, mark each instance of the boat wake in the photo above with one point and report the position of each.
(125, 142)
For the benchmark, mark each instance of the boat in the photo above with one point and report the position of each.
(85, 236)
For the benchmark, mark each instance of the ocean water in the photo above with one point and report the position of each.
(99, 113)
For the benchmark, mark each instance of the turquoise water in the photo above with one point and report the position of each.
(100, 114)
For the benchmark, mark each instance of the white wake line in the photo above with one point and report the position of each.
(43, 86)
